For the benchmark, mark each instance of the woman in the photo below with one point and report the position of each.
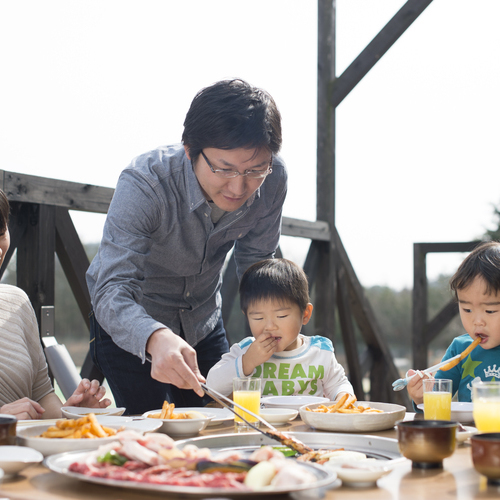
(25, 388)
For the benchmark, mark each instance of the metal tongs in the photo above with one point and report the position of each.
(273, 433)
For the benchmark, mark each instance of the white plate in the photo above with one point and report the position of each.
(278, 416)
(355, 422)
(460, 412)
(77, 412)
(48, 446)
(220, 414)
(182, 427)
(325, 479)
(139, 424)
(292, 402)
(464, 435)
(14, 459)
(29, 423)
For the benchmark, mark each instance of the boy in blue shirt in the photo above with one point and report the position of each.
(476, 286)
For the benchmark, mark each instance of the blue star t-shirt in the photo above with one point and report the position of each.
(480, 364)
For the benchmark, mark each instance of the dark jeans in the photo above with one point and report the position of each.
(130, 380)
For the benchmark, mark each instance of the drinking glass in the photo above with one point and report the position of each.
(486, 406)
(246, 392)
(437, 399)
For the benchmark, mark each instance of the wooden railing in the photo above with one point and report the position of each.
(41, 227)
(424, 331)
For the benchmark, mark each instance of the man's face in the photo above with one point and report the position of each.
(230, 194)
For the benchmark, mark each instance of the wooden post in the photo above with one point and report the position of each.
(36, 257)
(326, 282)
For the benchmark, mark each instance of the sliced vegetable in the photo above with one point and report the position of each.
(286, 450)
(112, 457)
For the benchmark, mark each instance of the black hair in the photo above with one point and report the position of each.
(4, 212)
(483, 262)
(274, 279)
(232, 114)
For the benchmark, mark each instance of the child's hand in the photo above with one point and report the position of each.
(416, 387)
(261, 350)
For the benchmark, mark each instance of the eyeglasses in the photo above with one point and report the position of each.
(227, 173)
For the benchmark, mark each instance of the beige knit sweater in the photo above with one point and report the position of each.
(23, 369)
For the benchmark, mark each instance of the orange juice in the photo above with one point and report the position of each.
(249, 400)
(487, 415)
(437, 405)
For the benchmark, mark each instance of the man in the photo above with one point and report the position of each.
(176, 213)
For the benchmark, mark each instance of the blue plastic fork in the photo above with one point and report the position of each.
(401, 383)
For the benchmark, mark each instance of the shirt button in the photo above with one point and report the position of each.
(240, 235)
(188, 294)
(206, 215)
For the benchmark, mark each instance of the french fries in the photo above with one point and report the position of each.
(464, 354)
(82, 428)
(167, 412)
(344, 405)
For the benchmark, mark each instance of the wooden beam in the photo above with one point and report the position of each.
(73, 259)
(439, 322)
(326, 280)
(371, 331)
(419, 309)
(349, 336)
(423, 331)
(18, 222)
(35, 258)
(318, 230)
(374, 51)
(46, 191)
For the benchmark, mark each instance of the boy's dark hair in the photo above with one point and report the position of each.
(4, 212)
(483, 262)
(274, 279)
(232, 114)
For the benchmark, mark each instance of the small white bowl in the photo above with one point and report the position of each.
(466, 434)
(356, 475)
(78, 412)
(278, 416)
(184, 426)
(14, 459)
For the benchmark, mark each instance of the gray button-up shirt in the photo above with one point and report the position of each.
(161, 257)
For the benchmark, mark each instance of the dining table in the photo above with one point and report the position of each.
(457, 479)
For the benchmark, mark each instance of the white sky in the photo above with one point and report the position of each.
(86, 86)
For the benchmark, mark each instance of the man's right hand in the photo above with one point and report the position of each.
(173, 361)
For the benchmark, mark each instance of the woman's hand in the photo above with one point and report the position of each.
(24, 409)
(88, 395)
